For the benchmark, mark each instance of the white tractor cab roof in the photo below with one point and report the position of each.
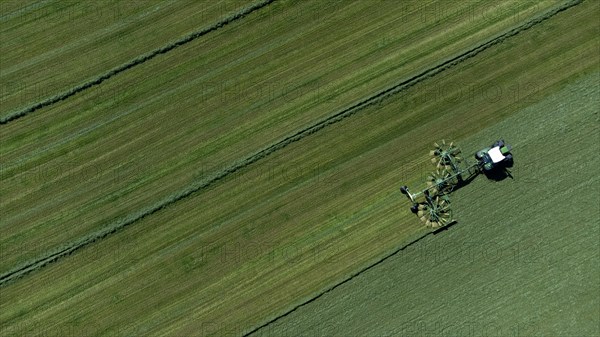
(496, 155)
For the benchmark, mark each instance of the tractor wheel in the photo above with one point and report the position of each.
(509, 160)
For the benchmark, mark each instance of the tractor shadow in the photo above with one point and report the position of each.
(499, 173)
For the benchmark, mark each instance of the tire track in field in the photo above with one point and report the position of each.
(137, 61)
(68, 249)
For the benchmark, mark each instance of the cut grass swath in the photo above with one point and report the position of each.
(137, 61)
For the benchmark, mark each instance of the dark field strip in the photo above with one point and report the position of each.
(349, 111)
(137, 61)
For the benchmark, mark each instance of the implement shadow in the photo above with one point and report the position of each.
(498, 173)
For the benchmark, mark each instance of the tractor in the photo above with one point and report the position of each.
(432, 204)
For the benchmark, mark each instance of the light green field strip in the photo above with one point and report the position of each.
(51, 47)
(280, 231)
(63, 176)
(523, 259)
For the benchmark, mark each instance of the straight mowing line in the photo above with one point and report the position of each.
(137, 61)
(68, 249)
(339, 284)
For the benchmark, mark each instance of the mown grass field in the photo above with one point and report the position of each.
(523, 259)
(108, 153)
(271, 235)
(48, 47)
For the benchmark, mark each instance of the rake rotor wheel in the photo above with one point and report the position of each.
(444, 154)
(436, 213)
(438, 182)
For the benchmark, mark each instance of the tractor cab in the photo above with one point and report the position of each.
(494, 156)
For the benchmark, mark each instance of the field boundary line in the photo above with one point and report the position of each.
(339, 284)
(136, 61)
(68, 249)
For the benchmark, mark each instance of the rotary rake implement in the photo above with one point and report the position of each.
(452, 170)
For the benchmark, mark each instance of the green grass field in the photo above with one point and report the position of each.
(103, 155)
(49, 47)
(210, 190)
(523, 259)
